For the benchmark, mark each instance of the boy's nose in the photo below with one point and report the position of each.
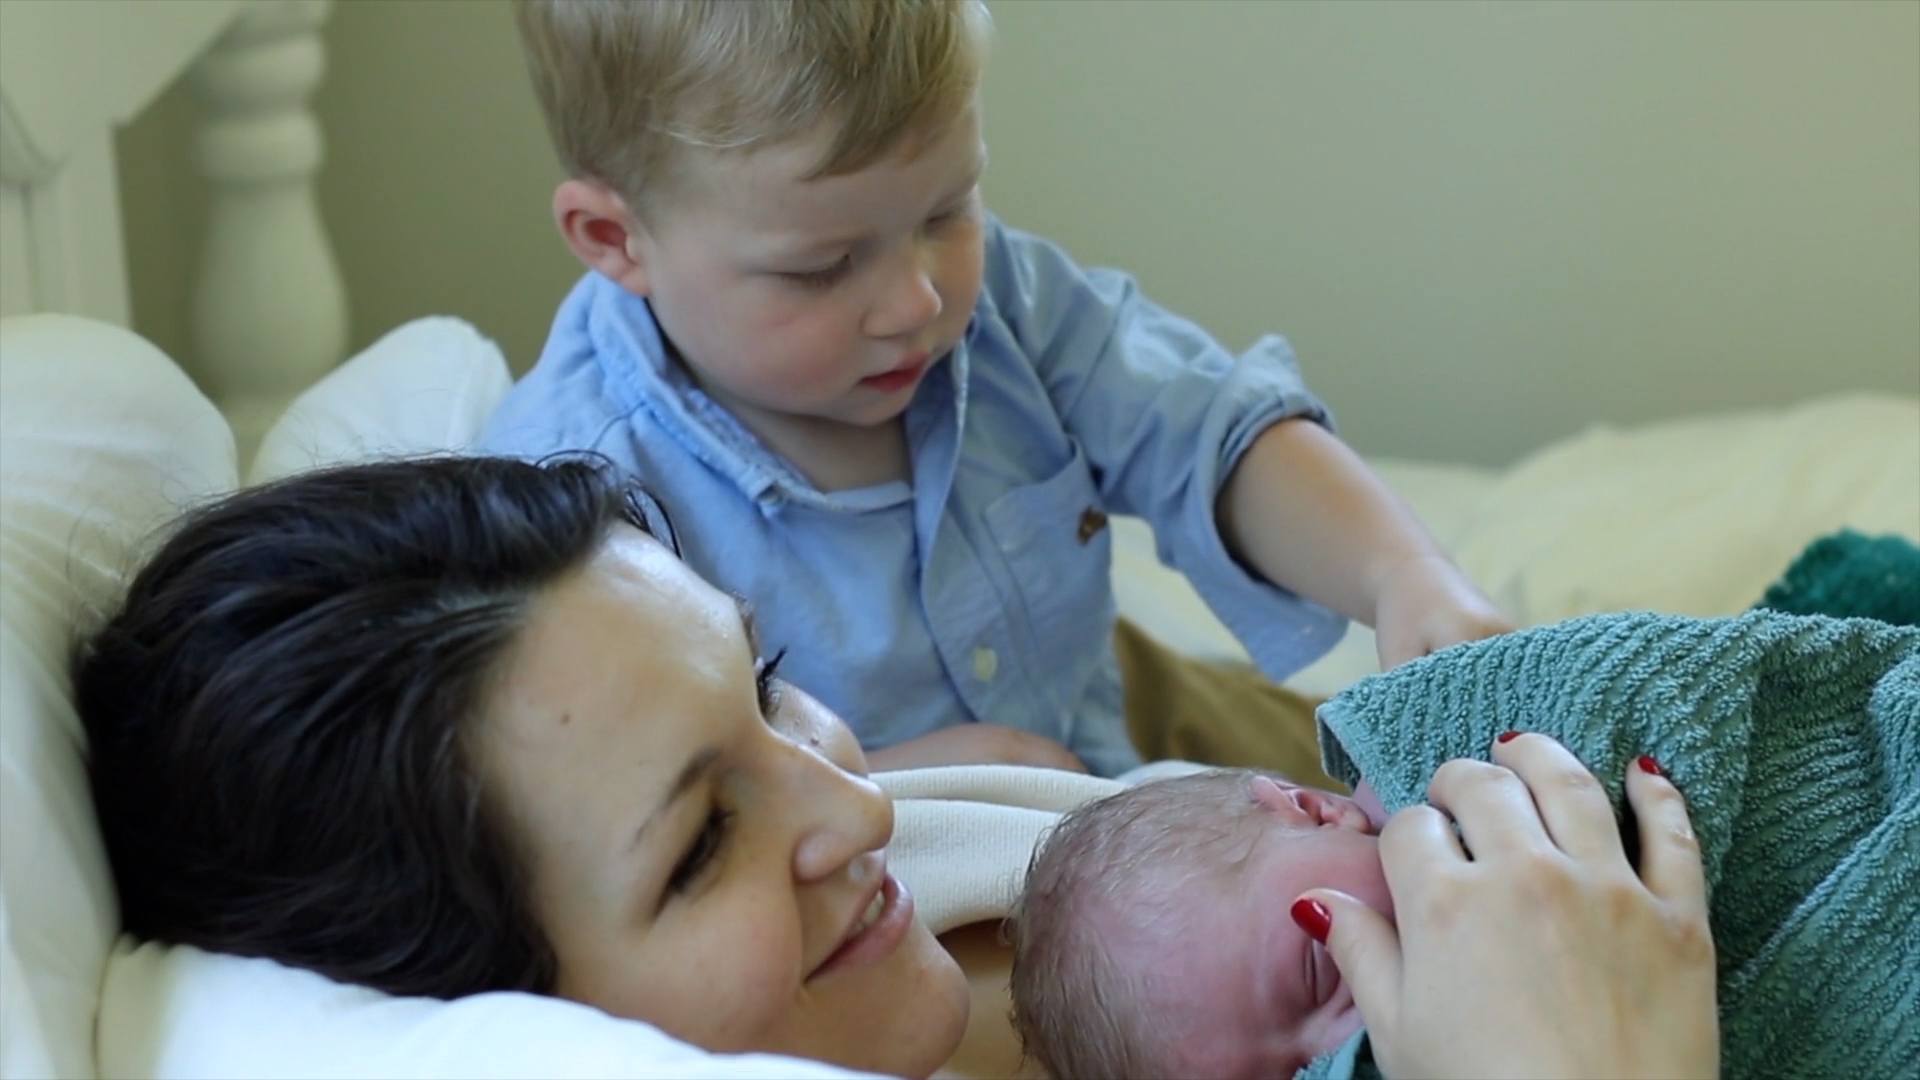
(911, 301)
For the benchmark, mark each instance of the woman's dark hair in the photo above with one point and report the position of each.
(280, 717)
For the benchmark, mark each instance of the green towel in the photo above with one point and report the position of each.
(1852, 575)
(1797, 743)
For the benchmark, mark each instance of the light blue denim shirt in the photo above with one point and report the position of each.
(979, 591)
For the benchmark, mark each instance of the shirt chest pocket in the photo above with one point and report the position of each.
(1054, 541)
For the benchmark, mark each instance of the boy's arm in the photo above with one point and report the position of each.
(1139, 387)
(1306, 513)
(975, 744)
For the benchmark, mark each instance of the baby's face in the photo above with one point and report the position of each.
(1266, 998)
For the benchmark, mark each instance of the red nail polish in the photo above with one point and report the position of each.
(1648, 765)
(1312, 916)
(1507, 736)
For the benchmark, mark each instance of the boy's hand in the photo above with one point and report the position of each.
(1425, 604)
(976, 744)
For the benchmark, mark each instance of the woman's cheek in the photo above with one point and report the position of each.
(753, 975)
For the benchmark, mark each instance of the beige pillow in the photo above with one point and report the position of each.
(425, 387)
(102, 439)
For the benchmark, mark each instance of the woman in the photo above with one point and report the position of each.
(452, 726)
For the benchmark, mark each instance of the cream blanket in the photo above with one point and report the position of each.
(962, 834)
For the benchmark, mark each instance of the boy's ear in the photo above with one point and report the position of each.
(602, 232)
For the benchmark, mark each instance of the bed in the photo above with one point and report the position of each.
(102, 438)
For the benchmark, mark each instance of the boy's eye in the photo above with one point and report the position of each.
(821, 278)
(950, 215)
(955, 212)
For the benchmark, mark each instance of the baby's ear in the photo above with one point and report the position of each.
(1270, 794)
(601, 232)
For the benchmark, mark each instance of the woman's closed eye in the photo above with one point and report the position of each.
(713, 831)
(706, 844)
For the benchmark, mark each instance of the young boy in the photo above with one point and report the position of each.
(898, 425)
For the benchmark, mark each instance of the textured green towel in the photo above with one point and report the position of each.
(1852, 575)
(1797, 743)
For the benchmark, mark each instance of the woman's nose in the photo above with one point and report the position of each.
(841, 816)
(911, 299)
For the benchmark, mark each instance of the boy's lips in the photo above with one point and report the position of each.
(903, 375)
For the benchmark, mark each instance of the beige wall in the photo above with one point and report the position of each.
(1483, 225)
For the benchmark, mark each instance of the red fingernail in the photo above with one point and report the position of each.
(1648, 765)
(1312, 916)
(1507, 736)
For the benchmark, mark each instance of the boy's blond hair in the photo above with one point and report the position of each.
(627, 85)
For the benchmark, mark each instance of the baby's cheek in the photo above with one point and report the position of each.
(1222, 1033)
(1329, 1031)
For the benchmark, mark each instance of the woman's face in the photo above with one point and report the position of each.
(704, 852)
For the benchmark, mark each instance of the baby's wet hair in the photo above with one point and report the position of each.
(1118, 864)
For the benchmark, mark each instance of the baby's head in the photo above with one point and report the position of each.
(1153, 937)
(792, 186)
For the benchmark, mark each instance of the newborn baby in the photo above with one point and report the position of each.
(1153, 937)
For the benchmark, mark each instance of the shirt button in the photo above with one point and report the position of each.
(986, 663)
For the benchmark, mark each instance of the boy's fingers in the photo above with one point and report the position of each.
(1363, 945)
(1669, 852)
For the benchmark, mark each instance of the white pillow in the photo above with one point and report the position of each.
(102, 439)
(186, 1013)
(424, 388)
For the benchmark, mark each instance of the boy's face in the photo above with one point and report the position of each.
(818, 300)
(1265, 999)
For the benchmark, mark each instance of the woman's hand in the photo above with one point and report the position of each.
(976, 744)
(1425, 604)
(1544, 954)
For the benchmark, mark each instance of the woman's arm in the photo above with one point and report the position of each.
(1545, 954)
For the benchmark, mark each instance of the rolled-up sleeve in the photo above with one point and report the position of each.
(1163, 413)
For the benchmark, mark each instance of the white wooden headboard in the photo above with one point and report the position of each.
(269, 310)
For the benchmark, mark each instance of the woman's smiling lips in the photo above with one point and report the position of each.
(876, 929)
